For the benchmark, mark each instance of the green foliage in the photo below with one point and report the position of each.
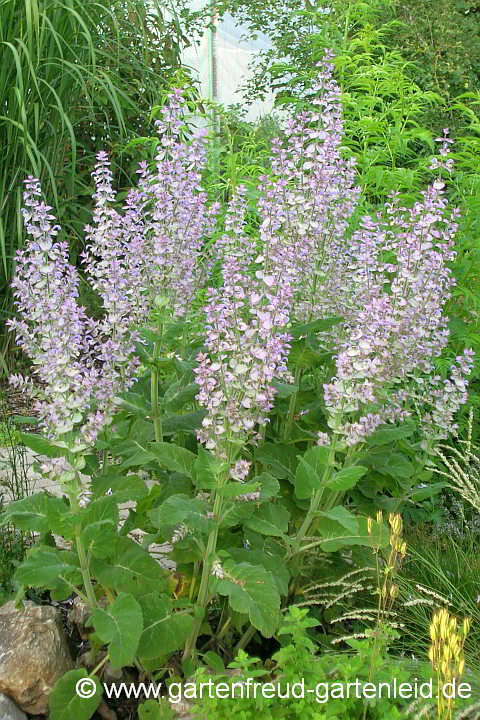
(311, 686)
(64, 702)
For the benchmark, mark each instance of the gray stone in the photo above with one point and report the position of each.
(33, 654)
(9, 711)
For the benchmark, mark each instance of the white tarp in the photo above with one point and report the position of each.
(233, 55)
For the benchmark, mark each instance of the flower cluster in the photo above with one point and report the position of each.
(175, 213)
(245, 348)
(55, 332)
(394, 323)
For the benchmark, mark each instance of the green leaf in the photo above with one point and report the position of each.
(104, 508)
(187, 422)
(269, 486)
(251, 589)
(35, 512)
(235, 489)
(303, 355)
(312, 468)
(129, 569)
(134, 403)
(273, 563)
(179, 395)
(386, 434)
(41, 445)
(214, 661)
(314, 327)
(284, 390)
(47, 567)
(155, 710)
(208, 469)
(341, 515)
(280, 459)
(418, 494)
(338, 536)
(180, 508)
(174, 458)
(346, 478)
(137, 459)
(121, 627)
(397, 467)
(269, 519)
(99, 537)
(164, 631)
(123, 487)
(70, 697)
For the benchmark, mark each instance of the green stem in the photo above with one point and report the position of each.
(209, 557)
(84, 568)
(291, 407)
(314, 503)
(224, 629)
(156, 415)
(87, 580)
(100, 665)
(245, 639)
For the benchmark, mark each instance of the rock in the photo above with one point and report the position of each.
(33, 654)
(9, 711)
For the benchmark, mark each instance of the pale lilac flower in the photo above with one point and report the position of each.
(322, 438)
(240, 470)
(217, 569)
(245, 346)
(180, 533)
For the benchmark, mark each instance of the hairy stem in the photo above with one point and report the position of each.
(291, 407)
(156, 415)
(202, 599)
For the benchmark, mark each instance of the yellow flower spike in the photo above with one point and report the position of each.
(431, 654)
(379, 517)
(396, 524)
(370, 525)
(433, 631)
(466, 626)
(461, 666)
(394, 591)
(453, 624)
(447, 653)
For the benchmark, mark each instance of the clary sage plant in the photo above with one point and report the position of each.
(272, 372)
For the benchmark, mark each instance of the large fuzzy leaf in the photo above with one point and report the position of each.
(174, 458)
(178, 509)
(311, 472)
(70, 698)
(129, 569)
(252, 590)
(121, 627)
(164, 631)
(269, 519)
